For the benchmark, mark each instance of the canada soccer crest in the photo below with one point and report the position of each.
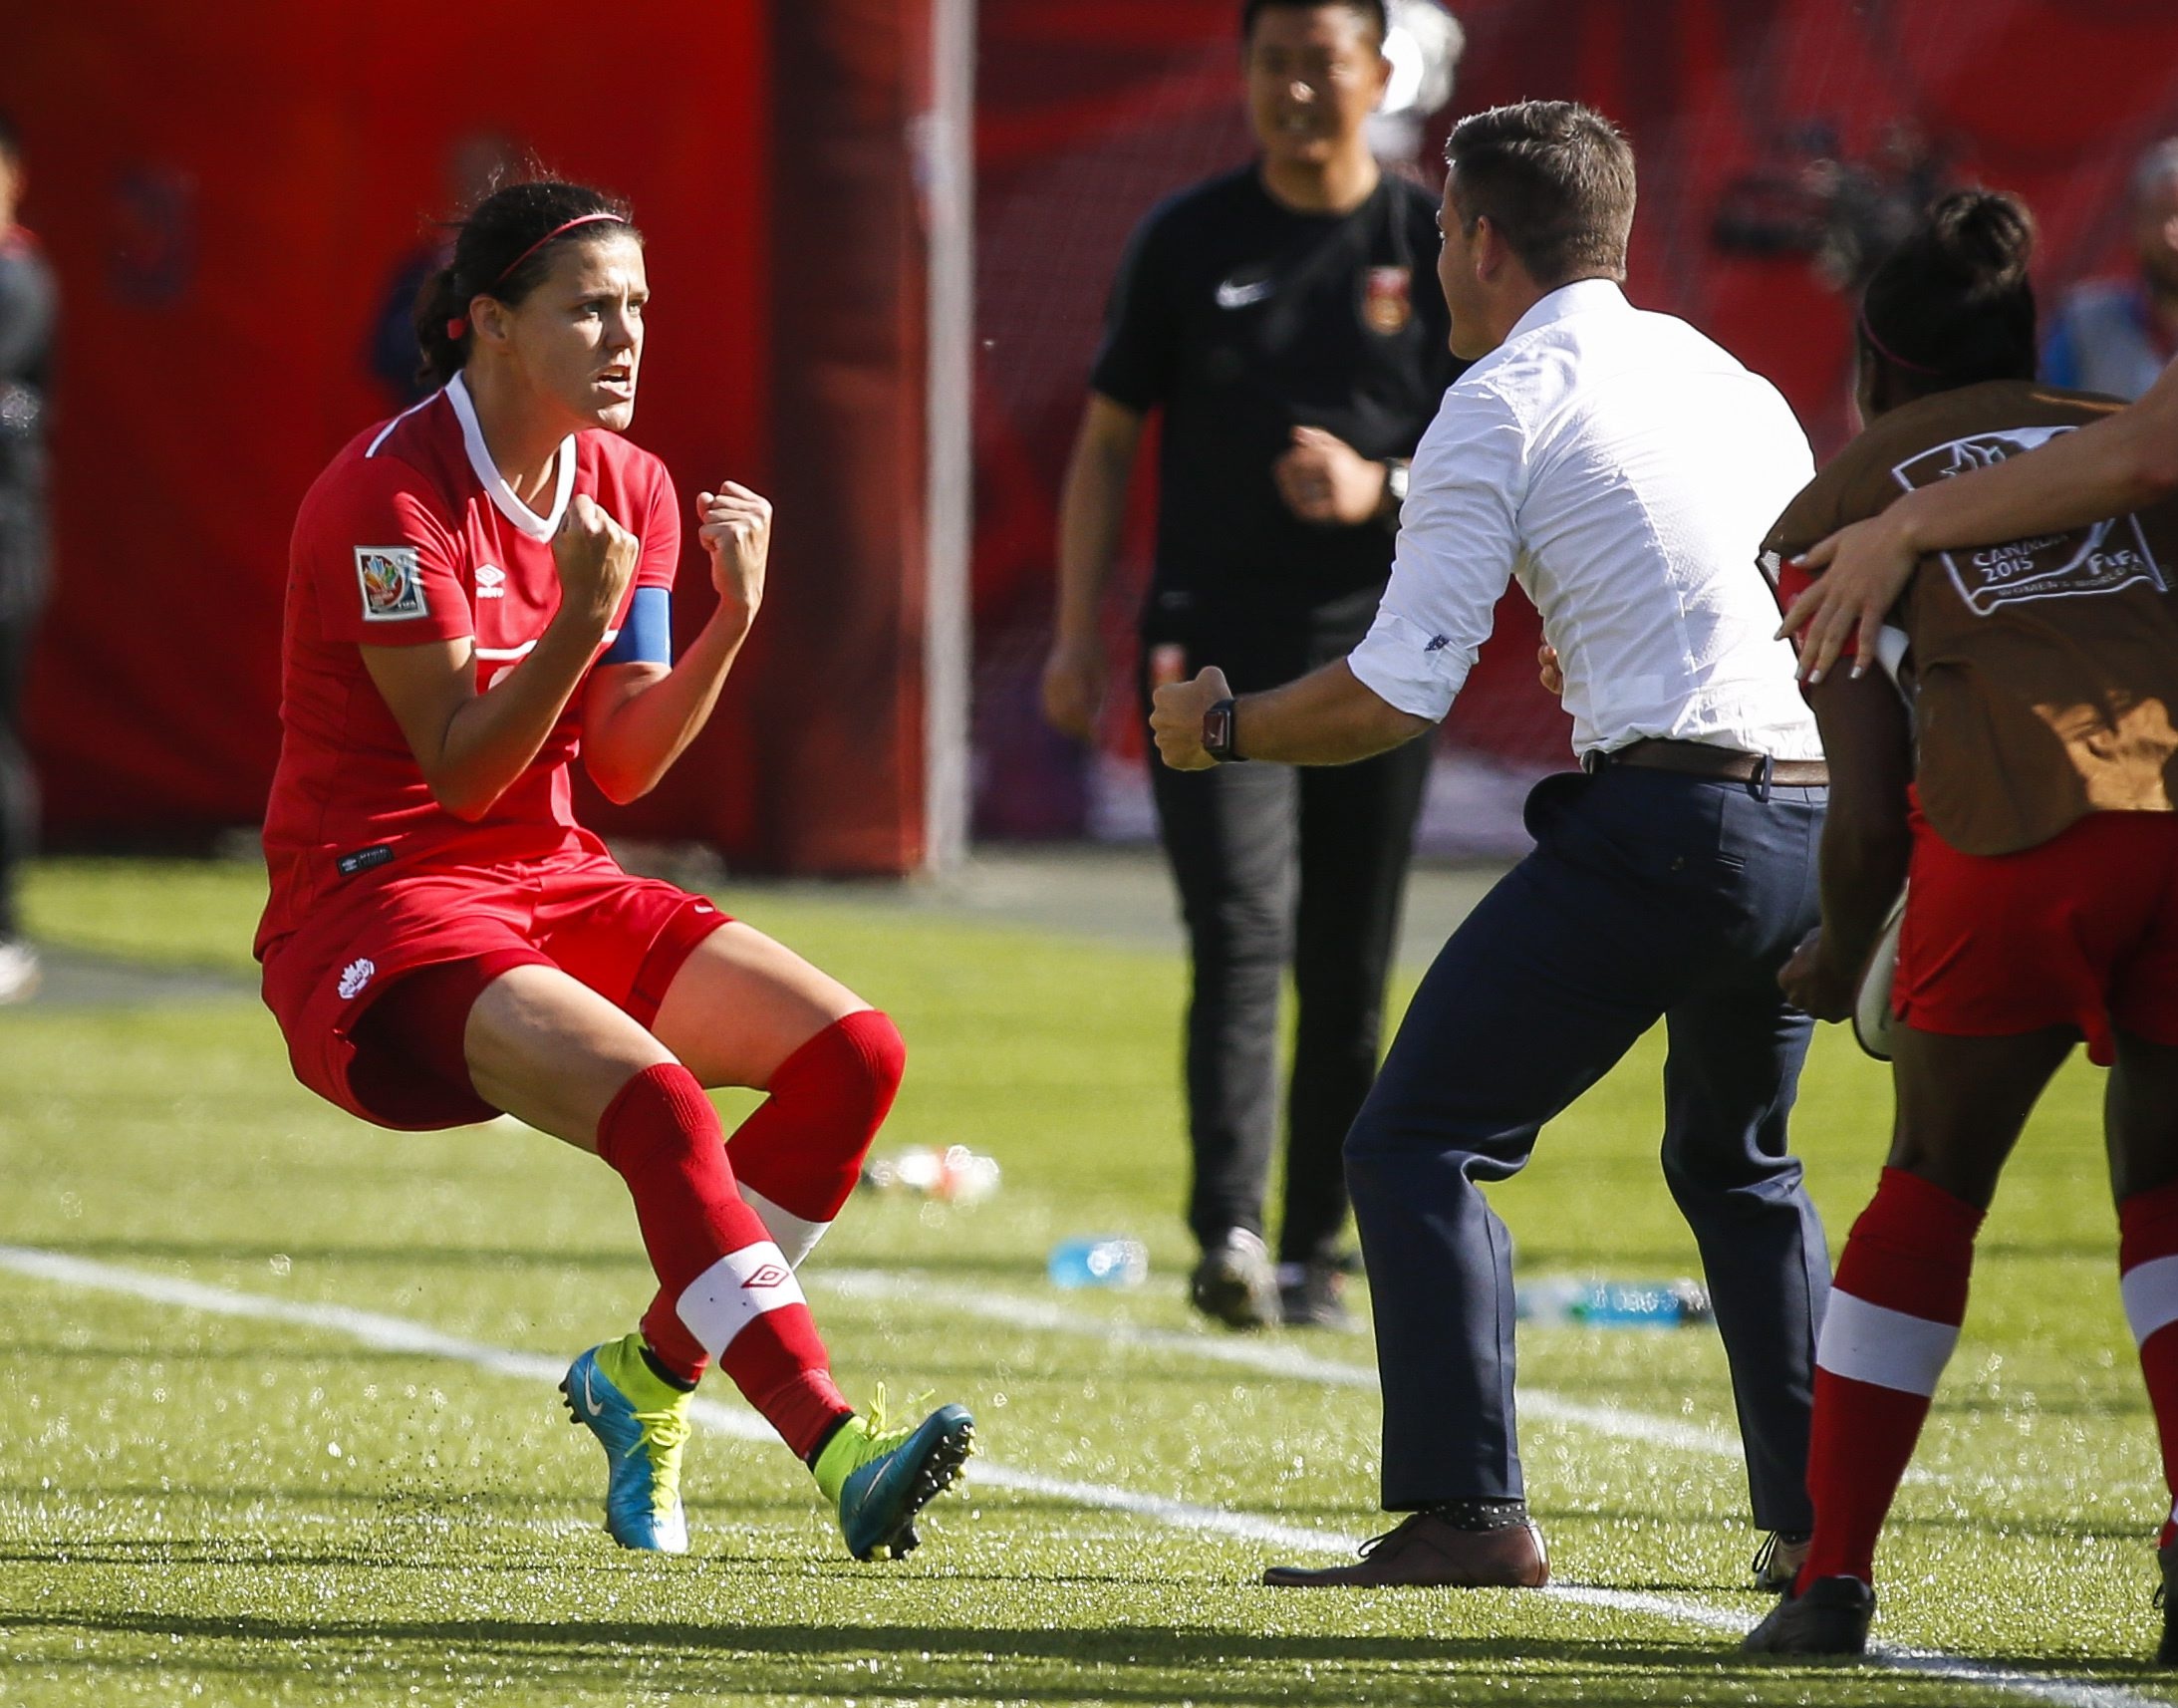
(1387, 303)
(393, 583)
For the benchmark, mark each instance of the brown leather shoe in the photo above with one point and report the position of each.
(1425, 1549)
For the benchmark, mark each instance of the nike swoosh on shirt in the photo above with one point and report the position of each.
(1232, 294)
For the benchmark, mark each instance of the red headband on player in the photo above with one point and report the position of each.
(556, 231)
(459, 328)
(1892, 356)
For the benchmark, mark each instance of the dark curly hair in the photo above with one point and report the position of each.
(500, 252)
(1952, 304)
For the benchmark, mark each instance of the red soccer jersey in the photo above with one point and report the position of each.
(411, 535)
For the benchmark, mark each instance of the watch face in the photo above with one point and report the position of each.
(1218, 730)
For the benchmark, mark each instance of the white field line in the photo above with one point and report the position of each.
(1266, 1359)
(397, 1334)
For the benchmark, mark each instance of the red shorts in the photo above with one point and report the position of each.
(623, 937)
(2082, 932)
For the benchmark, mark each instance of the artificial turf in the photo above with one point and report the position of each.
(238, 1509)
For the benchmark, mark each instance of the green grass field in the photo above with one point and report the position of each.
(277, 1420)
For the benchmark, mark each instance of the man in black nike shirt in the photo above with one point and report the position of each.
(1287, 320)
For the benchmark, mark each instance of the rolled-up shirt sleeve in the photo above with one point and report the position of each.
(1458, 537)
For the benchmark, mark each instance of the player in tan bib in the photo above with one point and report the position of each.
(2017, 752)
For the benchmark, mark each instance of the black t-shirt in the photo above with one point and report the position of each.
(1243, 319)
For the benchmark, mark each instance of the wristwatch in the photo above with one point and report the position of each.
(1217, 733)
(1398, 478)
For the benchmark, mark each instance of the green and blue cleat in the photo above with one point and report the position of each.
(643, 1423)
(881, 1477)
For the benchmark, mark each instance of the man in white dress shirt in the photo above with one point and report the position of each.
(1623, 468)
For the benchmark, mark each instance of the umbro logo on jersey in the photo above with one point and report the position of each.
(491, 581)
(354, 976)
(770, 1274)
(1240, 293)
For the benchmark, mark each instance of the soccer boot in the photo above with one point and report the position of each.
(642, 1422)
(1777, 1562)
(1429, 1550)
(1235, 1283)
(881, 1477)
(1830, 1616)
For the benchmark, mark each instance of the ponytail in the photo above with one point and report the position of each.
(1953, 304)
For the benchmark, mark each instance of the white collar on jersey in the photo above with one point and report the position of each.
(502, 495)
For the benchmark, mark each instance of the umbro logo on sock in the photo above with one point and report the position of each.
(770, 1274)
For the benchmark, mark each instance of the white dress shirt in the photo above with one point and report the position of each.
(1624, 469)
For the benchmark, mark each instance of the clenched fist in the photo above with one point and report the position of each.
(1176, 717)
(596, 558)
(736, 532)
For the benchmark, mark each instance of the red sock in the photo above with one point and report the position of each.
(2147, 1263)
(724, 1290)
(798, 1156)
(1893, 1318)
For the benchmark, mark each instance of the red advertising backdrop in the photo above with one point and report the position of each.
(1773, 137)
(226, 193)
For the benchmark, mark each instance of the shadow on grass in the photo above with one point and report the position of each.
(1134, 1663)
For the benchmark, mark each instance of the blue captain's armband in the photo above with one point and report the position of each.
(647, 637)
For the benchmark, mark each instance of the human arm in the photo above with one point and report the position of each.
(638, 719)
(1866, 845)
(1327, 718)
(1092, 512)
(2122, 462)
(471, 746)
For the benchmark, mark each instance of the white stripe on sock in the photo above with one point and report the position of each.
(794, 1236)
(1886, 1348)
(734, 1292)
(2151, 1291)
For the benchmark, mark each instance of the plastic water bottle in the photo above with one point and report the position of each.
(1105, 1261)
(1613, 1304)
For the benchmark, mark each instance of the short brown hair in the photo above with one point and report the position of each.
(1555, 178)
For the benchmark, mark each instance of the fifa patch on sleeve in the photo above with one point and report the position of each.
(393, 583)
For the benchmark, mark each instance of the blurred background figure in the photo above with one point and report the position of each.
(2116, 335)
(1422, 45)
(475, 164)
(1286, 319)
(29, 307)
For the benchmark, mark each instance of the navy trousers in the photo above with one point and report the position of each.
(1648, 895)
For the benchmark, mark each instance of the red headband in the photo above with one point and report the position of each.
(1892, 356)
(459, 328)
(556, 231)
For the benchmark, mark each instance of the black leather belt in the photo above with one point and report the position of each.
(1700, 759)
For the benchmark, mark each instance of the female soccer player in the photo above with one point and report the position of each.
(478, 592)
(2016, 754)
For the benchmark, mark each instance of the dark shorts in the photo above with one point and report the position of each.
(623, 937)
(2080, 931)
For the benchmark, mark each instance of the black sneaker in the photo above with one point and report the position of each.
(1779, 1560)
(1235, 1283)
(1831, 1617)
(1313, 1296)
